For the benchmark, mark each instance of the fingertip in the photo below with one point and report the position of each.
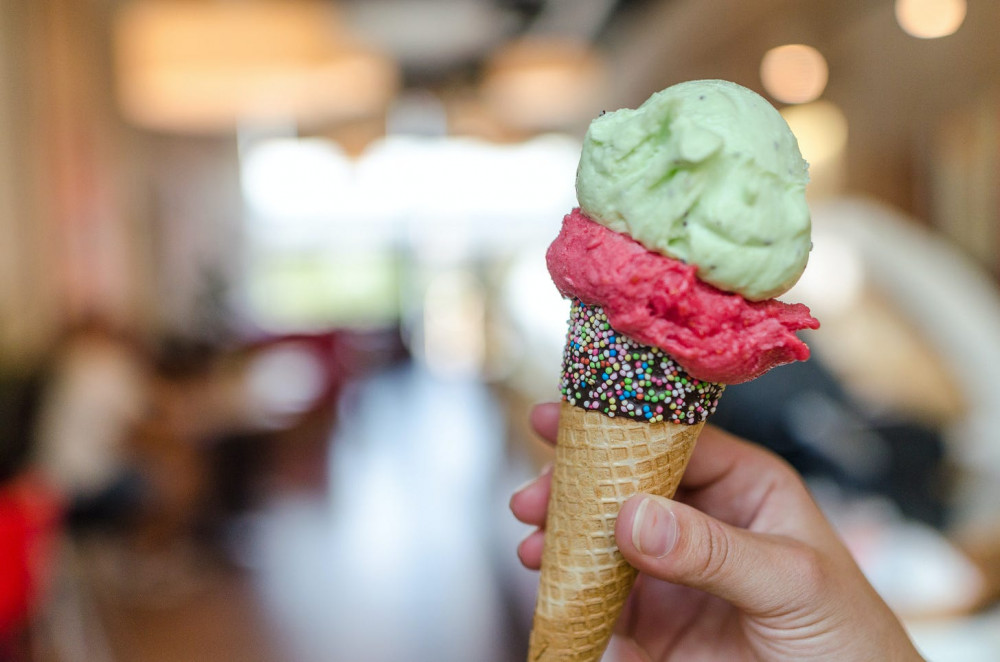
(646, 527)
(514, 502)
(529, 502)
(530, 550)
(544, 419)
(648, 533)
(624, 527)
(517, 503)
(626, 517)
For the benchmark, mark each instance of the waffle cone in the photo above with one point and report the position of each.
(600, 463)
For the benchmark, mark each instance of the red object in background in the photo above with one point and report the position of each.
(343, 354)
(29, 517)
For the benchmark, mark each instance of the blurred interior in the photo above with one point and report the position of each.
(273, 308)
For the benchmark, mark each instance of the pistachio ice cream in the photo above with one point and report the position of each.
(706, 172)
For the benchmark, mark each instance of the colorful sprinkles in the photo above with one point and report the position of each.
(609, 372)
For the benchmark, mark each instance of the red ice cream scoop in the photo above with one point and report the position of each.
(715, 336)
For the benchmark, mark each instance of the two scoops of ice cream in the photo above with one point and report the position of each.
(692, 219)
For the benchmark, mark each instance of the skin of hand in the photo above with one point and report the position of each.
(740, 565)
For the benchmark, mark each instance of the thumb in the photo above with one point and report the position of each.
(759, 574)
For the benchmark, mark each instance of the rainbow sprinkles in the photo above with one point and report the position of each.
(607, 371)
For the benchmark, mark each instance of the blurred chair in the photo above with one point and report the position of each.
(803, 413)
(30, 514)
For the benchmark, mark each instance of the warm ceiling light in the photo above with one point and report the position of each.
(794, 73)
(929, 19)
(205, 66)
(820, 128)
(543, 84)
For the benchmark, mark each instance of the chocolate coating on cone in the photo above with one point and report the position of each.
(607, 371)
(600, 463)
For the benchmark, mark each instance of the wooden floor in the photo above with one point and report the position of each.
(389, 541)
(406, 553)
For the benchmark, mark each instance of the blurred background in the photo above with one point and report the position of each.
(273, 308)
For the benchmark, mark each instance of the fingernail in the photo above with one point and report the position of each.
(654, 528)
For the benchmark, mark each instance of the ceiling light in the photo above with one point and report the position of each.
(545, 83)
(206, 66)
(929, 19)
(794, 73)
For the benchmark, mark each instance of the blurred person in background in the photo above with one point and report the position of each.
(98, 392)
(29, 513)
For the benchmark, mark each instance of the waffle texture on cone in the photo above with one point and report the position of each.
(600, 463)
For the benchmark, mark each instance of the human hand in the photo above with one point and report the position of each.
(740, 565)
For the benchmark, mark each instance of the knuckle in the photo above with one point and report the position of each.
(810, 568)
(784, 479)
(784, 476)
(716, 559)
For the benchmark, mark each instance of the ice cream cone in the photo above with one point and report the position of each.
(672, 268)
(629, 421)
(600, 463)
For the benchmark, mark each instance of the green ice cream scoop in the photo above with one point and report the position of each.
(707, 172)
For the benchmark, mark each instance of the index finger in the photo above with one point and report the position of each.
(734, 480)
(719, 456)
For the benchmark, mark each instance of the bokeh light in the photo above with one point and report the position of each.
(794, 73)
(545, 84)
(930, 19)
(821, 129)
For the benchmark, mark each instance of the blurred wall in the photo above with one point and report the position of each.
(896, 90)
(27, 309)
(71, 249)
(100, 219)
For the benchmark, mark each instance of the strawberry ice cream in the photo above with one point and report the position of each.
(715, 336)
